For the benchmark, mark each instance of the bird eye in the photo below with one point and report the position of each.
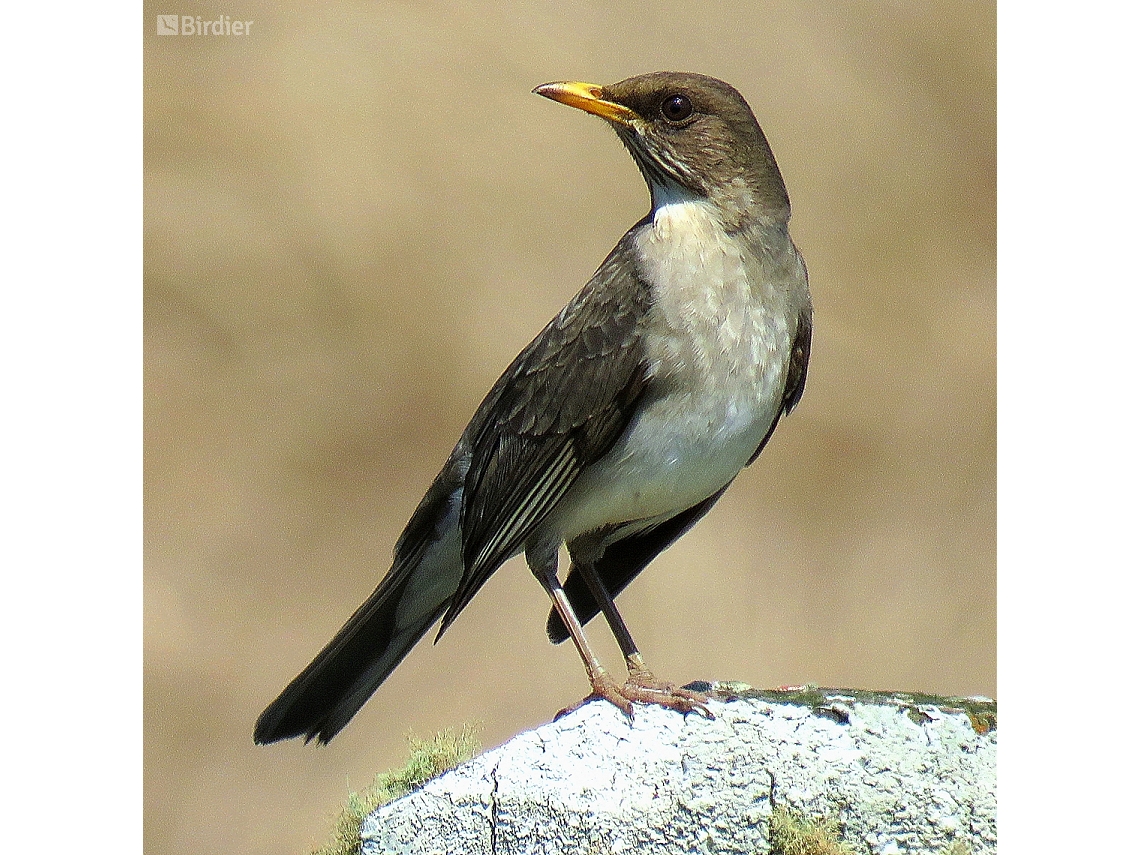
(676, 108)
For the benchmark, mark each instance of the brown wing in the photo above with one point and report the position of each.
(797, 375)
(559, 407)
(798, 363)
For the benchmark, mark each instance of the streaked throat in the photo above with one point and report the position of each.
(667, 177)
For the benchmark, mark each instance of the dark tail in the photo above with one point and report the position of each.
(324, 697)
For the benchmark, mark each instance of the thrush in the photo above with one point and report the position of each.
(621, 424)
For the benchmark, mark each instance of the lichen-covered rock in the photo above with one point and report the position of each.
(897, 772)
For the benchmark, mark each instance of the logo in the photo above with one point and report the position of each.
(193, 25)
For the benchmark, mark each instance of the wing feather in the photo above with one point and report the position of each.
(559, 407)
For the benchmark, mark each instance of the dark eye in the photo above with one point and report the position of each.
(676, 108)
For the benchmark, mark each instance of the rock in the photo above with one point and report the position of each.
(899, 773)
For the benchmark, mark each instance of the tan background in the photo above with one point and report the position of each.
(358, 214)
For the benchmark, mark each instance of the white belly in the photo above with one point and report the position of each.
(718, 344)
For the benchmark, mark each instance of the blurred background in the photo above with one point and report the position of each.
(358, 214)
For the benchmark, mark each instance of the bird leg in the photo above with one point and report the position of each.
(641, 685)
(602, 684)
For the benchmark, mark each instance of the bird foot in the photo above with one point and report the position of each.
(643, 688)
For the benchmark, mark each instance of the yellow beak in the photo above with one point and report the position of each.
(586, 96)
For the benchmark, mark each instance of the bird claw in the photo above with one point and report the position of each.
(642, 688)
(650, 691)
(605, 688)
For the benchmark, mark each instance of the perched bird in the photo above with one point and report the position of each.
(621, 424)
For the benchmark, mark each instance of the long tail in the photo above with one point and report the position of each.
(324, 697)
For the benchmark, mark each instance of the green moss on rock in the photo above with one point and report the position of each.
(427, 759)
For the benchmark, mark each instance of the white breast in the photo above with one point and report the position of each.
(720, 326)
(718, 341)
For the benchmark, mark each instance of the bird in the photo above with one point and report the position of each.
(621, 424)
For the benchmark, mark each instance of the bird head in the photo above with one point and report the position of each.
(691, 136)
